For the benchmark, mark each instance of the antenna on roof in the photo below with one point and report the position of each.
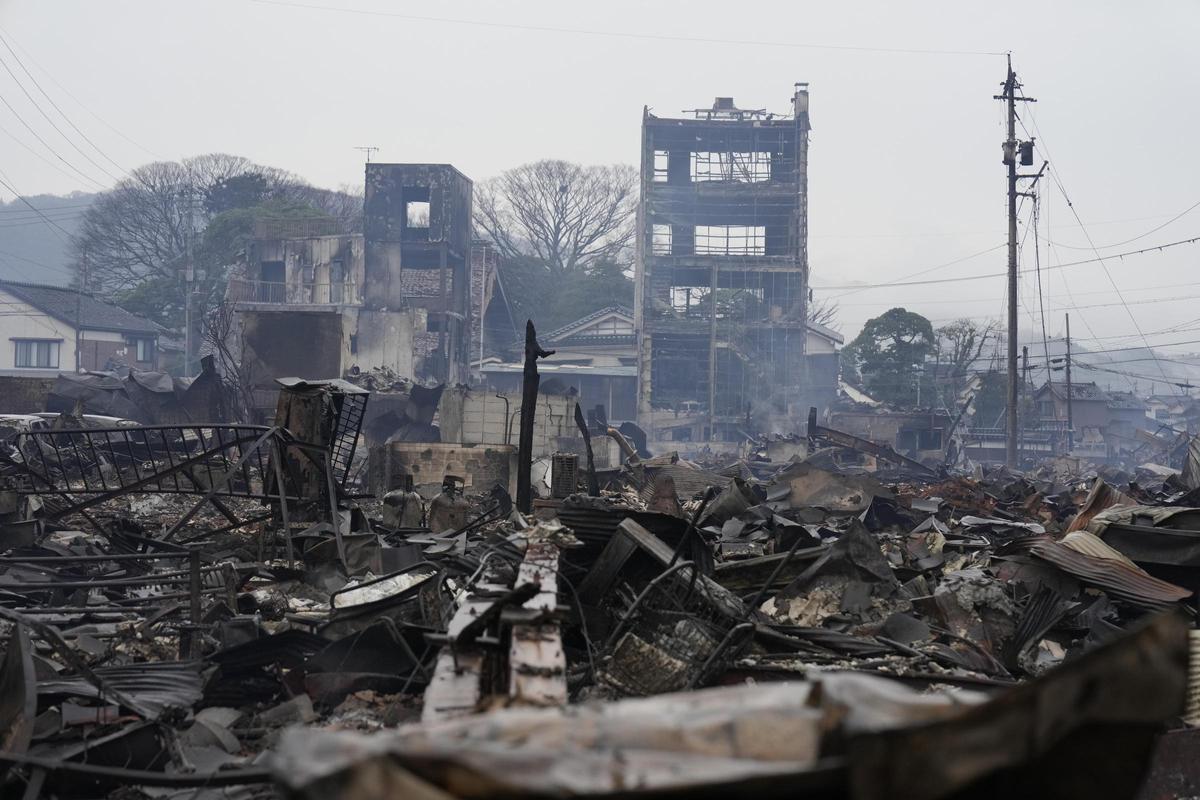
(368, 149)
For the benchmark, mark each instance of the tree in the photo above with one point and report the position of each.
(134, 238)
(215, 251)
(889, 354)
(823, 312)
(960, 345)
(237, 191)
(554, 303)
(564, 215)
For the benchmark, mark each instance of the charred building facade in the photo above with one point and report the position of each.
(316, 301)
(417, 233)
(722, 267)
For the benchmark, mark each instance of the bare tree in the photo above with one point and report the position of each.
(960, 344)
(221, 339)
(139, 230)
(823, 312)
(565, 215)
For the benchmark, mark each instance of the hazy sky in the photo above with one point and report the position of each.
(905, 169)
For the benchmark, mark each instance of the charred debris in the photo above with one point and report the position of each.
(226, 610)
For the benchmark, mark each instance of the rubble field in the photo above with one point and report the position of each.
(208, 611)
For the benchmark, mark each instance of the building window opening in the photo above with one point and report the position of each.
(754, 167)
(731, 240)
(36, 353)
(416, 214)
(416, 207)
(660, 243)
(690, 301)
(661, 157)
(143, 349)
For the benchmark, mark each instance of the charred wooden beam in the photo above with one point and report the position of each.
(592, 483)
(529, 394)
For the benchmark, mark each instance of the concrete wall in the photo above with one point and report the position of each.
(481, 466)
(479, 417)
(380, 339)
(23, 395)
(307, 265)
(291, 342)
(322, 342)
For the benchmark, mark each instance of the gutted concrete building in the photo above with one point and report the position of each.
(417, 245)
(411, 293)
(722, 268)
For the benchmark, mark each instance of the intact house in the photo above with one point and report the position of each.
(595, 355)
(46, 329)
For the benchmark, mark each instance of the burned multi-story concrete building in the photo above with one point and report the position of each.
(409, 293)
(722, 269)
(417, 234)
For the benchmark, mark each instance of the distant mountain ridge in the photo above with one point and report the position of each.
(31, 249)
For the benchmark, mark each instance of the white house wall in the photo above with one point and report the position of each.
(19, 320)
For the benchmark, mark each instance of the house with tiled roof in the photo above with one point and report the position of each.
(48, 329)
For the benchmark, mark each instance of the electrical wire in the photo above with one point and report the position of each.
(1055, 267)
(1054, 174)
(33, 101)
(1155, 229)
(78, 102)
(61, 113)
(45, 144)
(44, 265)
(61, 230)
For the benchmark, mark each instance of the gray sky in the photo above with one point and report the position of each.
(905, 169)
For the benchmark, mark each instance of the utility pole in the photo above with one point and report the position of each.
(189, 275)
(1024, 396)
(1070, 417)
(80, 289)
(1011, 147)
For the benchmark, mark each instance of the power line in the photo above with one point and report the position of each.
(33, 101)
(1062, 189)
(980, 231)
(53, 152)
(42, 264)
(78, 102)
(624, 34)
(62, 231)
(53, 208)
(35, 221)
(935, 281)
(1155, 229)
(61, 113)
(1168, 381)
(39, 156)
(1107, 272)
(855, 288)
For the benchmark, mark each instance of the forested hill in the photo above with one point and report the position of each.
(32, 249)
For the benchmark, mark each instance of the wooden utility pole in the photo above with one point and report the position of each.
(1024, 397)
(1011, 146)
(189, 275)
(529, 395)
(1070, 416)
(80, 289)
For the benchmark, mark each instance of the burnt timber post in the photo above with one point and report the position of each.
(592, 483)
(529, 394)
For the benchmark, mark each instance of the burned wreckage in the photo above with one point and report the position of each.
(225, 610)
